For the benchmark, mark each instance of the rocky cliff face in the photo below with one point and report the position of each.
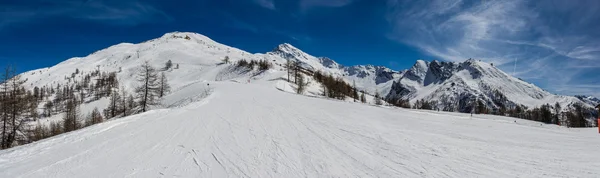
(457, 86)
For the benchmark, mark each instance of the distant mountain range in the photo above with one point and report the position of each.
(451, 85)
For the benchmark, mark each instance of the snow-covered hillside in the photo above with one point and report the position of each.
(452, 84)
(589, 99)
(198, 57)
(220, 120)
(254, 130)
(366, 77)
(196, 54)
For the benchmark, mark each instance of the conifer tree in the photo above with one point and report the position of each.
(113, 105)
(164, 87)
(168, 65)
(288, 67)
(226, 60)
(13, 107)
(302, 84)
(354, 92)
(148, 89)
(363, 99)
(557, 110)
(94, 118)
(71, 117)
(124, 108)
(131, 105)
(55, 128)
(377, 98)
(48, 108)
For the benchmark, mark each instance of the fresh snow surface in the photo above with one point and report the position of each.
(255, 130)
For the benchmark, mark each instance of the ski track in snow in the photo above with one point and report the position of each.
(255, 130)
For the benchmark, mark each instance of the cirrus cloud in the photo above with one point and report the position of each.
(103, 11)
(553, 42)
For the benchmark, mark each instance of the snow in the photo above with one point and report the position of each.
(255, 130)
(437, 81)
(223, 121)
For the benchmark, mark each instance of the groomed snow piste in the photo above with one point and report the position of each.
(255, 130)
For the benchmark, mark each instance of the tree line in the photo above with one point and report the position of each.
(572, 116)
(332, 87)
(19, 106)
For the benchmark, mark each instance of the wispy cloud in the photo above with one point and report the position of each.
(549, 41)
(111, 12)
(308, 4)
(269, 4)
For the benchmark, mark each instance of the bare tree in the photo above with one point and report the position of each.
(354, 93)
(164, 87)
(94, 118)
(71, 118)
(302, 84)
(226, 60)
(296, 68)
(557, 109)
(13, 106)
(114, 106)
(124, 108)
(363, 99)
(148, 90)
(288, 67)
(48, 108)
(131, 105)
(377, 98)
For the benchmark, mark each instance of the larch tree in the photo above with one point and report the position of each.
(94, 118)
(164, 87)
(148, 90)
(302, 84)
(113, 109)
(124, 108)
(557, 109)
(354, 92)
(131, 105)
(377, 98)
(296, 68)
(168, 65)
(226, 60)
(288, 67)
(71, 117)
(13, 107)
(363, 99)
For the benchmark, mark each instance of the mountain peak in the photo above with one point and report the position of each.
(286, 47)
(287, 51)
(470, 61)
(186, 35)
(420, 65)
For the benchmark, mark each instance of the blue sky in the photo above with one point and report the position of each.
(555, 43)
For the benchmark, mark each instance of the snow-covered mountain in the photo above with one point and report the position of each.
(456, 85)
(367, 77)
(589, 99)
(223, 121)
(195, 54)
(448, 83)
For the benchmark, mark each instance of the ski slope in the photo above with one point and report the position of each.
(255, 130)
